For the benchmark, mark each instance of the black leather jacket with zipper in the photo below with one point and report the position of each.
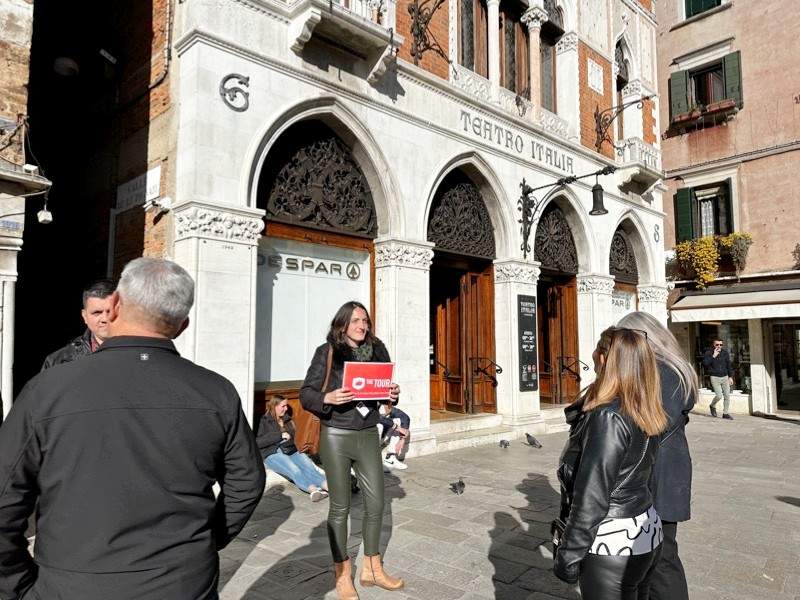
(604, 473)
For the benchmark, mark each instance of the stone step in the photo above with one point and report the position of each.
(554, 420)
(465, 423)
(472, 438)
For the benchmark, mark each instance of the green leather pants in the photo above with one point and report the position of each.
(339, 450)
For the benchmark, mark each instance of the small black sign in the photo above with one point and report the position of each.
(528, 358)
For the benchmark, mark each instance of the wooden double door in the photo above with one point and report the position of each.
(462, 368)
(557, 319)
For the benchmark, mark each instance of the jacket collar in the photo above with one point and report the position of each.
(130, 341)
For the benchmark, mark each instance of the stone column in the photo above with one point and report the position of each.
(511, 279)
(653, 299)
(12, 225)
(493, 20)
(402, 317)
(533, 18)
(595, 313)
(219, 247)
(633, 123)
(567, 81)
(760, 380)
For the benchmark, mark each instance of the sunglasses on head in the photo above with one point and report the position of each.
(617, 329)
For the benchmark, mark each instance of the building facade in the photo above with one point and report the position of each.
(731, 148)
(18, 180)
(315, 152)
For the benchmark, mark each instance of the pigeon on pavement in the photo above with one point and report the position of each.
(458, 487)
(504, 443)
(532, 441)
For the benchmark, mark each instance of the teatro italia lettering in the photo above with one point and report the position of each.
(509, 140)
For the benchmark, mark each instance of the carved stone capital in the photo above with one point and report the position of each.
(595, 284)
(516, 272)
(634, 88)
(567, 43)
(653, 293)
(199, 220)
(534, 18)
(397, 253)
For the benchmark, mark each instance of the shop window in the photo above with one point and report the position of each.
(695, 7)
(705, 93)
(735, 336)
(704, 210)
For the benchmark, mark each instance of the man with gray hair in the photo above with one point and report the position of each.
(122, 450)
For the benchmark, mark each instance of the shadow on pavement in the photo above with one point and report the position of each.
(789, 500)
(306, 573)
(521, 553)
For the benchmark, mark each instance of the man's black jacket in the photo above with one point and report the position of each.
(122, 449)
(718, 366)
(79, 347)
(672, 473)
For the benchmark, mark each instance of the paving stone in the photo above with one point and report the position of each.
(492, 542)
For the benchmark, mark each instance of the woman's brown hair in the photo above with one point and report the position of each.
(341, 321)
(629, 373)
(272, 403)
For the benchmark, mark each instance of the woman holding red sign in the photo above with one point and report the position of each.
(349, 439)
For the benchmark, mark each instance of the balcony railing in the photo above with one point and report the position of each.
(641, 165)
(383, 12)
(636, 150)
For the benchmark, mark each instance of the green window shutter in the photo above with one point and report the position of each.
(684, 215)
(732, 65)
(725, 210)
(678, 93)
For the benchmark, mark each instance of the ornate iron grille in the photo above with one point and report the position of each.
(510, 54)
(554, 246)
(621, 260)
(460, 223)
(321, 186)
(468, 33)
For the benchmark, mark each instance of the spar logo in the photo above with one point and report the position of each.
(359, 383)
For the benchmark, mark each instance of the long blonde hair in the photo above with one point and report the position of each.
(272, 404)
(629, 373)
(666, 349)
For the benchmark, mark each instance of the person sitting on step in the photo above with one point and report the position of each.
(394, 428)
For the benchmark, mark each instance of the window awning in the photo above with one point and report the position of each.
(745, 305)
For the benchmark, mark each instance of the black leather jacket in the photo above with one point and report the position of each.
(78, 348)
(614, 461)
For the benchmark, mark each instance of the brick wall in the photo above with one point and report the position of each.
(649, 121)
(590, 99)
(439, 29)
(16, 28)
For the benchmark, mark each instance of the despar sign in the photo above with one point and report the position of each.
(368, 380)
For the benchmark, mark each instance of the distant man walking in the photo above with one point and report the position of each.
(717, 362)
(122, 449)
(96, 307)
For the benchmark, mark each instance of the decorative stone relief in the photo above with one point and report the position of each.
(595, 285)
(653, 294)
(516, 273)
(398, 254)
(552, 122)
(633, 88)
(206, 222)
(567, 43)
(472, 83)
(236, 97)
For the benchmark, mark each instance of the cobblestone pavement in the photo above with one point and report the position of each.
(743, 541)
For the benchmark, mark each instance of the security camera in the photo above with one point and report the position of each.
(44, 216)
(30, 169)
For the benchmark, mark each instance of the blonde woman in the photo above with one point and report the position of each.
(612, 538)
(276, 441)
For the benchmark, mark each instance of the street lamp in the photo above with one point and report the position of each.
(529, 205)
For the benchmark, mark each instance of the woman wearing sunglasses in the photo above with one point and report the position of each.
(613, 534)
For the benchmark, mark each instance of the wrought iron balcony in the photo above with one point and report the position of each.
(641, 164)
(364, 27)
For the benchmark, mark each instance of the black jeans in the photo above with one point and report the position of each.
(669, 580)
(339, 450)
(617, 577)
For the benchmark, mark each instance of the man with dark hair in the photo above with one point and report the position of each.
(717, 362)
(96, 306)
(118, 456)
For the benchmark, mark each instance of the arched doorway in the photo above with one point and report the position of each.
(623, 267)
(462, 367)
(557, 310)
(316, 253)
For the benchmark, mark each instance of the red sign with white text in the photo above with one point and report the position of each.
(368, 380)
